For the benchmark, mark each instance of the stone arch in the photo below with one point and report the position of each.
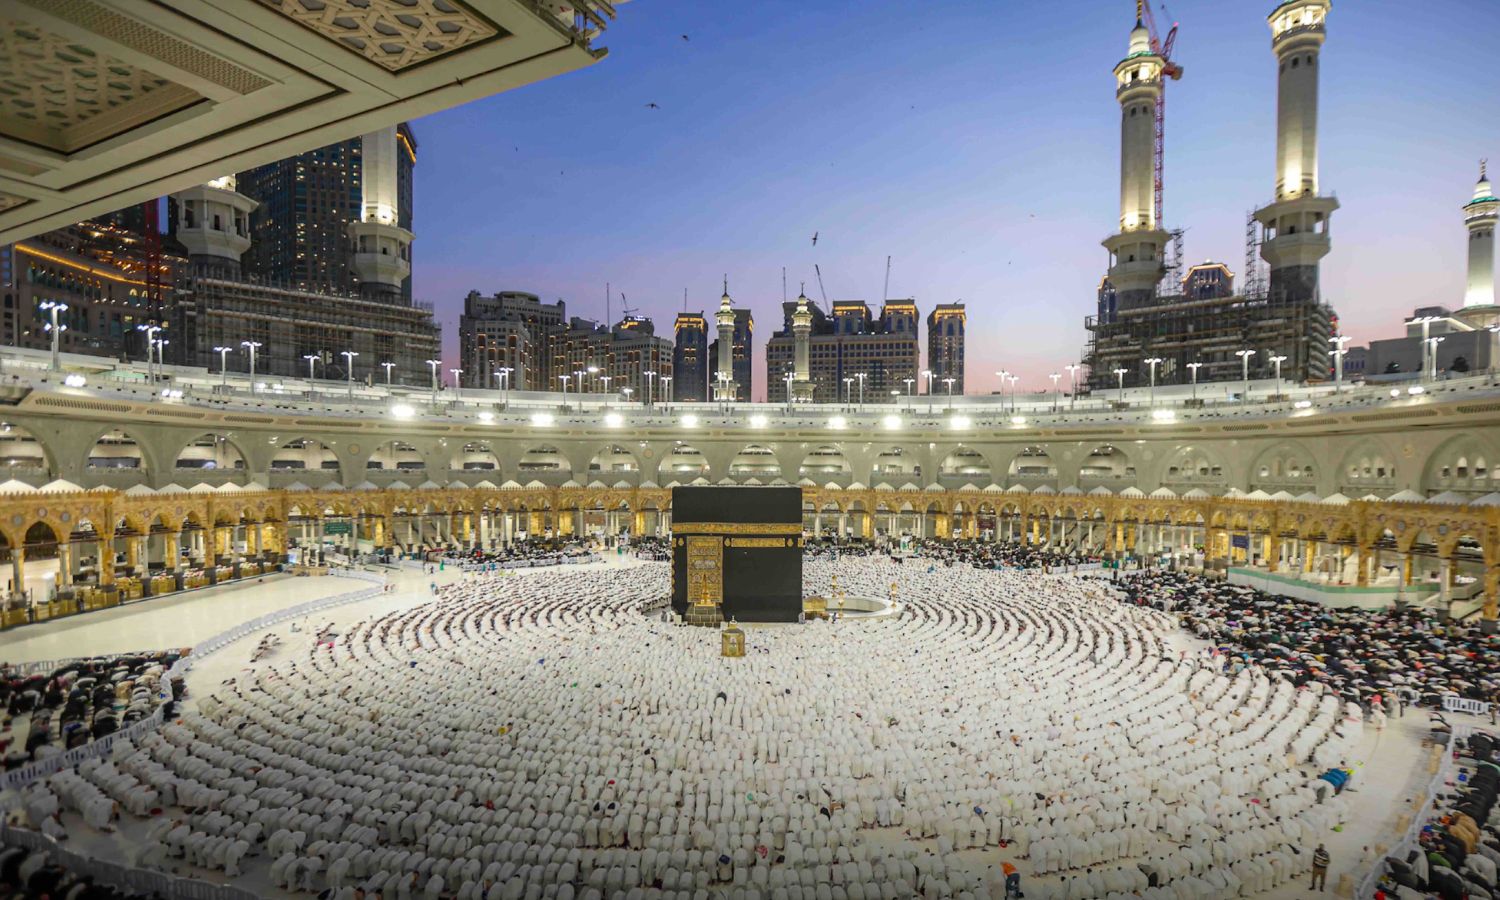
(1106, 464)
(755, 461)
(896, 464)
(1367, 467)
(1285, 465)
(117, 448)
(210, 452)
(23, 454)
(1193, 464)
(825, 461)
(964, 463)
(542, 459)
(613, 460)
(396, 455)
(1465, 464)
(475, 456)
(683, 462)
(1032, 463)
(304, 454)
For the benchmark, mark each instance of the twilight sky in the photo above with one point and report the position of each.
(975, 142)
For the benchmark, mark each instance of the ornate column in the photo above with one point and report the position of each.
(1365, 560)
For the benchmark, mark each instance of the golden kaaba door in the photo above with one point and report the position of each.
(705, 571)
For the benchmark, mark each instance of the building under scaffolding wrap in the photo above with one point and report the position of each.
(1180, 330)
(291, 324)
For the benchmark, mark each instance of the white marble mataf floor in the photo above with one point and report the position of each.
(1394, 765)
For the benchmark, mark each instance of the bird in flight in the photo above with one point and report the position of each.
(684, 37)
(652, 106)
(815, 239)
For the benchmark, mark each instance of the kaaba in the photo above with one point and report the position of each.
(737, 553)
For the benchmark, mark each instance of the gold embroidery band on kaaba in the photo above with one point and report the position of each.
(777, 542)
(785, 529)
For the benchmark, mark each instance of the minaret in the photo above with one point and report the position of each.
(1296, 234)
(381, 247)
(802, 385)
(1136, 263)
(213, 223)
(724, 386)
(1481, 215)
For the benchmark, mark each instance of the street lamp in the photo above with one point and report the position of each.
(861, 377)
(312, 360)
(949, 383)
(458, 391)
(1073, 383)
(564, 380)
(1153, 362)
(349, 356)
(161, 354)
(1277, 361)
(1432, 356)
(1013, 379)
(593, 380)
(627, 391)
(503, 374)
(388, 366)
(909, 383)
(53, 308)
(848, 392)
(433, 365)
(1244, 356)
(1056, 399)
(251, 347)
(787, 377)
(1426, 323)
(1120, 375)
(927, 374)
(1195, 366)
(151, 331)
(1338, 361)
(666, 392)
(650, 387)
(223, 368)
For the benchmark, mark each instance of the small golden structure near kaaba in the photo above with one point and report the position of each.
(733, 640)
(815, 607)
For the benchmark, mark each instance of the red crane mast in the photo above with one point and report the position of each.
(1163, 48)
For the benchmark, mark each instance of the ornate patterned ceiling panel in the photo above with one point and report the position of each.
(395, 34)
(63, 95)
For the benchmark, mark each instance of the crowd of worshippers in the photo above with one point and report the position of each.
(1376, 658)
(1458, 851)
(531, 550)
(539, 737)
(47, 714)
(1001, 555)
(651, 547)
(32, 873)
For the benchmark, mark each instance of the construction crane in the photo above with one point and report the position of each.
(1163, 48)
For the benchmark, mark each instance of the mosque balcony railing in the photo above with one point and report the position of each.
(196, 387)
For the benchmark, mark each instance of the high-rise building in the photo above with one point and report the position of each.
(371, 335)
(844, 346)
(300, 228)
(98, 270)
(509, 330)
(690, 358)
(945, 344)
(599, 360)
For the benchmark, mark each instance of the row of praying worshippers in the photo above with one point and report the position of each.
(1002, 554)
(541, 736)
(79, 702)
(1382, 660)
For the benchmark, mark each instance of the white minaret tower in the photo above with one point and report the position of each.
(802, 385)
(724, 386)
(382, 249)
(1296, 234)
(1136, 263)
(1481, 215)
(213, 223)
